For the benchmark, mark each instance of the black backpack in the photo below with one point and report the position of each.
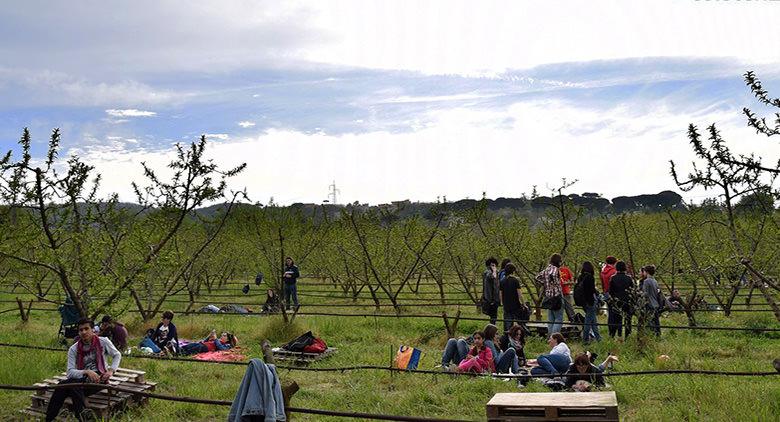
(299, 343)
(579, 294)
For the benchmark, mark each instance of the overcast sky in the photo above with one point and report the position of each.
(393, 100)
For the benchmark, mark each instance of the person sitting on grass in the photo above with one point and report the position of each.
(557, 361)
(456, 349)
(479, 359)
(165, 336)
(210, 344)
(87, 363)
(272, 303)
(504, 358)
(114, 331)
(515, 339)
(582, 374)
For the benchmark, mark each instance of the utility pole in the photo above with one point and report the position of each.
(333, 192)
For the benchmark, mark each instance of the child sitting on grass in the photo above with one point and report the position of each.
(480, 358)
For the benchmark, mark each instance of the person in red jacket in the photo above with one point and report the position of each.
(607, 272)
(480, 358)
(567, 282)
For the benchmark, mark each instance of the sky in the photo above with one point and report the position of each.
(392, 100)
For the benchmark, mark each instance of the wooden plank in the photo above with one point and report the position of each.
(590, 399)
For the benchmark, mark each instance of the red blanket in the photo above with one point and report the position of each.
(231, 355)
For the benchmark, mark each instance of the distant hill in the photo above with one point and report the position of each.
(592, 202)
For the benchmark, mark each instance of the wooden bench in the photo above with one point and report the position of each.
(596, 406)
(103, 403)
(301, 357)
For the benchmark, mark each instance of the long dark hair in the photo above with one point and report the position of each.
(587, 267)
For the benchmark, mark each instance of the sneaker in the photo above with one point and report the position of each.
(520, 384)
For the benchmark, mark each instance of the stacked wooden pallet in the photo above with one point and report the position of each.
(300, 357)
(103, 403)
(595, 406)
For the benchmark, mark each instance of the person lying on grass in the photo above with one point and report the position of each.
(87, 363)
(211, 344)
(582, 374)
(555, 362)
(480, 358)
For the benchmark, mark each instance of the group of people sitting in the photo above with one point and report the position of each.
(487, 351)
(165, 339)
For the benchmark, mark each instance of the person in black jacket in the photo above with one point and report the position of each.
(165, 335)
(490, 290)
(621, 309)
(586, 287)
(290, 279)
(511, 298)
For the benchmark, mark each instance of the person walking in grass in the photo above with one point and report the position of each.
(490, 290)
(87, 363)
(621, 310)
(553, 296)
(290, 280)
(567, 283)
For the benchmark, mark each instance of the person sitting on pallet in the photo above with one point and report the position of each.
(210, 344)
(87, 363)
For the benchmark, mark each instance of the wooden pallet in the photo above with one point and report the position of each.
(596, 406)
(103, 403)
(301, 357)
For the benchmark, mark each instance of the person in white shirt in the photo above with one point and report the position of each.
(557, 361)
(87, 363)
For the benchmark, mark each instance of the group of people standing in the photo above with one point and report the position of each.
(560, 292)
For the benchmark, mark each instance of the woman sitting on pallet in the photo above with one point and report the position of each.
(210, 344)
(87, 363)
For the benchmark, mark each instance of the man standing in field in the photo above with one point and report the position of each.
(567, 281)
(651, 292)
(87, 363)
(290, 279)
(607, 272)
(490, 290)
(621, 287)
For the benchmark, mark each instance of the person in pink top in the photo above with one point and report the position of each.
(479, 358)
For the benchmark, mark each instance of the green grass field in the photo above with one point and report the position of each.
(372, 341)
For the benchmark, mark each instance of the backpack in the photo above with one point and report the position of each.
(245, 289)
(579, 294)
(299, 343)
(259, 279)
(316, 346)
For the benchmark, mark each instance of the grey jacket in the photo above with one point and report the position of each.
(108, 350)
(650, 291)
(260, 393)
(490, 287)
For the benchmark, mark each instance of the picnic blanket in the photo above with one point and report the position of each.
(230, 355)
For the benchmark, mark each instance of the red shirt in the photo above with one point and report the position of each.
(606, 273)
(566, 277)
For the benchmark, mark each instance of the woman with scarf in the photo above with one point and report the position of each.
(87, 363)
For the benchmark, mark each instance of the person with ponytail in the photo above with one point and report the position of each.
(87, 363)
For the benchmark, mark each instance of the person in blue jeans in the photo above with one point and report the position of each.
(505, 360)
(552, 290)
(587, 283)
(290, 279)
(557, 361)
(456, 349)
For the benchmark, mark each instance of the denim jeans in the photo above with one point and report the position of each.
(503, 361)
(290, 290)
(555, 321)
(147, 342)
(590, 329)
(551, 364)
(511, 317)
(655, 320)
(455, 351)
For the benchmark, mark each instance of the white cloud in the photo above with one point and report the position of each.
(130, 112)
(217, 136)
(463, 152)
(246, 124)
